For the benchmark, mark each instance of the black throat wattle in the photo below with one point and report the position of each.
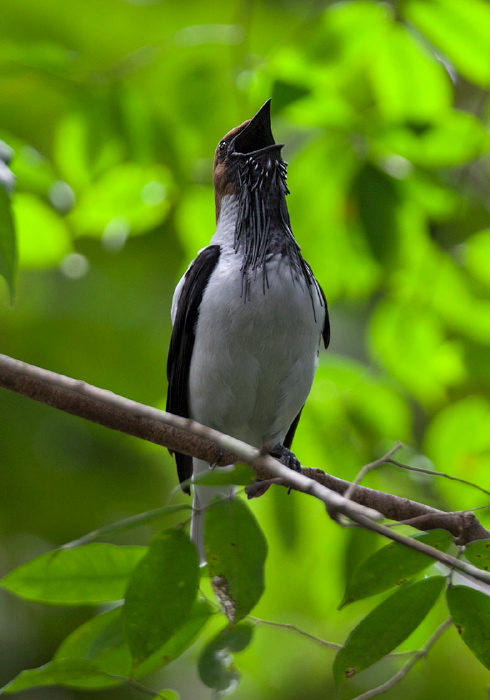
(263, 228)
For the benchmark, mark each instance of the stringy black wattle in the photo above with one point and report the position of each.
(263, 226)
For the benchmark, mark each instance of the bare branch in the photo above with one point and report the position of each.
(107, 409)
(369, 467)
(408, 666)
(318, 640)
(430, 472)
(293, 628)
(462, 524)
(186, 436)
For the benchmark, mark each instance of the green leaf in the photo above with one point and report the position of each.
(285, 92)
(82, 148)
(216, 667)
(127, 524)
(469, 450)
(470, 610)
(236, 550)
(477, 256)
(460, 30)
(160, 593)
(408, 82)
(66, 672)
(102, 633)
(392, 565)
(200, 613)
(377, 201)
(478, 554)
(387, 626)
(455, 138)
(359, 542)
(89, 575)
(128, 194)
(237, 474)
(407, 336)
(101, 639)
(42, 234)
(8, 246)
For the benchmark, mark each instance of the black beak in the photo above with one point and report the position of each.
(257, 135)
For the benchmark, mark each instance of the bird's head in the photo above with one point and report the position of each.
(247, 152)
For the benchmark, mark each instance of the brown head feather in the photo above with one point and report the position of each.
(223, 183)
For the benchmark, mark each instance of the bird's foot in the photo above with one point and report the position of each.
(213, 465)
(286, 457)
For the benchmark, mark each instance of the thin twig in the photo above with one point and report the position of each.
(298, 630)
(369, 467)
(313, 637)
(408, 666)
(138, 686)
(125, 524)
(430, 472)
(442, 557)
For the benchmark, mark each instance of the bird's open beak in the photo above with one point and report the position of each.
(257, 136)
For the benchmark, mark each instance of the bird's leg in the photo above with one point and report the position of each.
(213, 465)
(286, 457)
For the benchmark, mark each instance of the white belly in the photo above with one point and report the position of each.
(253, 361)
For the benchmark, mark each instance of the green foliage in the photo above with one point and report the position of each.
(96, 573)
(216, 668)
(64, 672)
(101, 640)
(393, 565)
(8, 245)
(113, 117)
(387, 626)
(128, 524)
(160, 593)
(470, 610)
(236, 550)
(478, 554)
(460, 33)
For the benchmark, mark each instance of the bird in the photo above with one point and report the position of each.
(248, 315)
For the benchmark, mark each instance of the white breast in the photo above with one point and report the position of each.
(254, 360)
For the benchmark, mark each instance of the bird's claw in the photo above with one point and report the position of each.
(286, 457)
(213, 465)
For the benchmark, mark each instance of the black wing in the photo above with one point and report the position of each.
(182, 343)
(288, 440)
(326, 325)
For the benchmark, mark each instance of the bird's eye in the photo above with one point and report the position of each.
(222, 146)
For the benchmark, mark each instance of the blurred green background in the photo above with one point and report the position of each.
(113, 109)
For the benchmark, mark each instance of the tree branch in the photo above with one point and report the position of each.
(408, 666)
(186, 436)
